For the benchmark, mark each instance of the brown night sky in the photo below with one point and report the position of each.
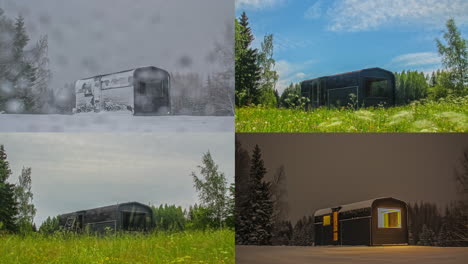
(325, 170)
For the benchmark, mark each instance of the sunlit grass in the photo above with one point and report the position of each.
(448, 115)
(186, 247)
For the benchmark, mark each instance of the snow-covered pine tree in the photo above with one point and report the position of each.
(257, 221)
(242, 179)
(427, 237)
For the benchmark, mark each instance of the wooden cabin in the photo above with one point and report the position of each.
(367, 87)
(131, 216)
(382, 221)
(143, 91)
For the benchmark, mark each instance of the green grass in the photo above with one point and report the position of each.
(448, 115)
(187, 247)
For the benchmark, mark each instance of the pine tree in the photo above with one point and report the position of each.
(24, 196)
(242, 189)
(256, 222)
(8, 204)
(427, 237)
(247, 71)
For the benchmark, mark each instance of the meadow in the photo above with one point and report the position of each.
(444, 115)
(199, 247)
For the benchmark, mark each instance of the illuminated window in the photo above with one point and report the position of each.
(326, 220)
(389, 218)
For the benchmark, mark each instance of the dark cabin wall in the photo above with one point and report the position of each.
(386, 236)
(377, 73)
(150, 103)
(355, 227)
(330, 94)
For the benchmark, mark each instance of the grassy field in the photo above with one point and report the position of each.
(449, 115)
(188, 247)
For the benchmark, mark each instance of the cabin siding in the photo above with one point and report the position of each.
(107, 218)
(335, 90)
(124, 91)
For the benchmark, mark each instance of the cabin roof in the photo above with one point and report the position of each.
(110, 207)
(349, 207)
(346, 73)
(129, 70)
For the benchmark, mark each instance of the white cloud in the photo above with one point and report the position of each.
(417, 59)
(314, 11)
(364, 15)
(290, 73)
(257, 4)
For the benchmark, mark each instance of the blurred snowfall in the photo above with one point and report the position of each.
(193, 40)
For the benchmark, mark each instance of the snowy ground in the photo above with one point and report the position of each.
(352, 254)
(114, 122)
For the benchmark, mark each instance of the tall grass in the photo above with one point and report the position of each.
(445, 115)
(185, 247)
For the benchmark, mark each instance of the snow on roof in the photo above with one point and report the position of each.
(348, 207)
(129, 70)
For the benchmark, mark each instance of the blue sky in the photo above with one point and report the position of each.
(321, 37)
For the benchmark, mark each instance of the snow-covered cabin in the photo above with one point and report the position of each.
(143, 91)
(381, 221)
(131, 216)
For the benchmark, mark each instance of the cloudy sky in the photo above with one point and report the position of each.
(314, 38)
(325, 170)
(72, 172)
(90, 37)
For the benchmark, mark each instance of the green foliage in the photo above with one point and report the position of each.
(448, 114)
(24, 197)
(212, 189)
(159, 247)
(247, 71)
(8, 203)
(268, 76)
(49, 226)
(169, 218)
(292, 98)
(201, 218)
(410, 86)
(455, 57)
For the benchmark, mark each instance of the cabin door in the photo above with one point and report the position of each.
(151, 97)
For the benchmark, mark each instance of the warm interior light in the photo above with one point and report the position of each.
(389, 218)
(326, 220)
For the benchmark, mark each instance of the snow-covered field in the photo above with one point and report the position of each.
(114, 122)
(351, 254)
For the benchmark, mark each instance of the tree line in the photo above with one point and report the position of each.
(261, 209)
(215, 209)
(256, 78)
(16, 208)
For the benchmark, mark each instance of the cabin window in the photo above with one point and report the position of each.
(326, 220)
(86, 88)
(133, 221)
(389, 218)
(142, 88)
(376, 87)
